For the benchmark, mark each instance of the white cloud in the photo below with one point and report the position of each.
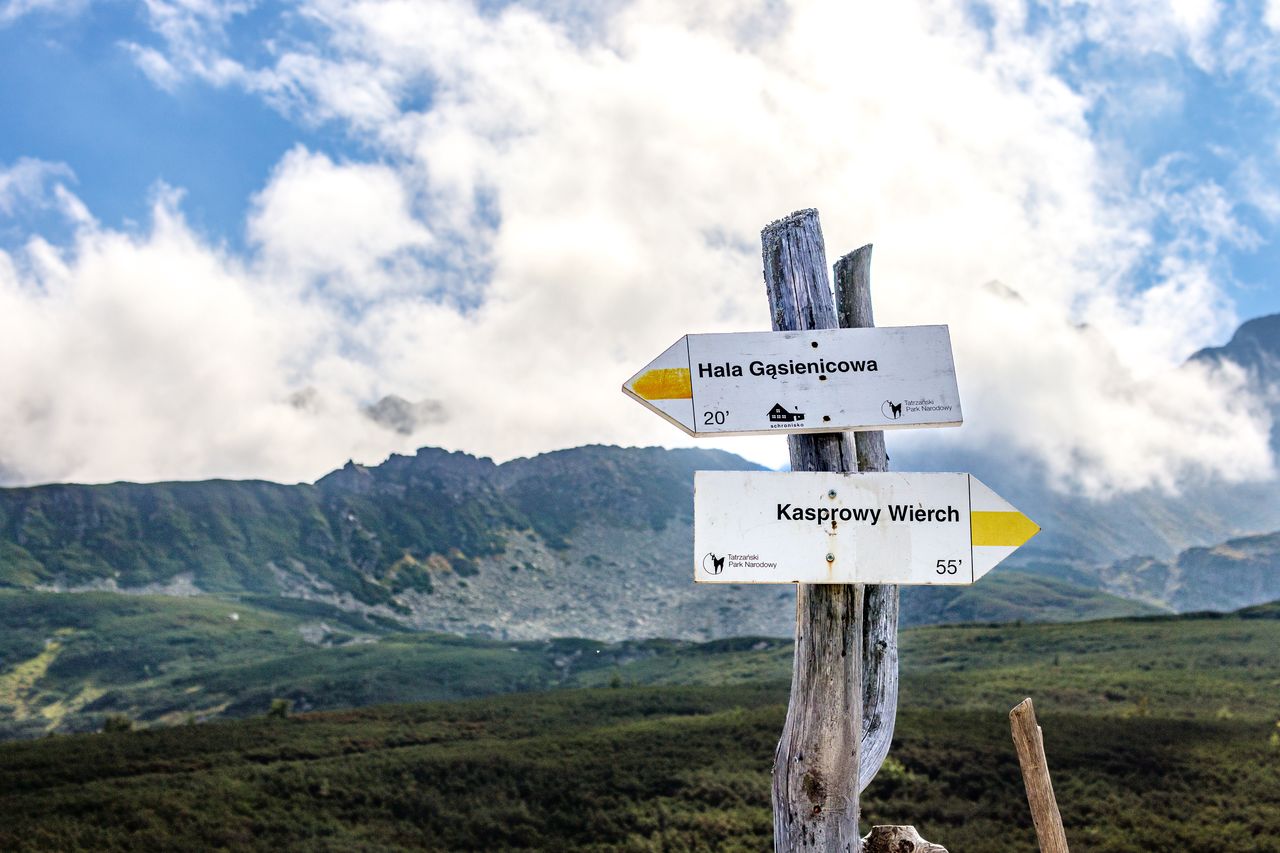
(579, 190)
(1271, 15)
(156, 66)
(156, 356)
(1144, 26)
(350, 225)
(30, 183)
(12, 10)
(1251, 182)
(194, 39)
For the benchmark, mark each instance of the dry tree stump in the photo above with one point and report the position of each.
(898, 839)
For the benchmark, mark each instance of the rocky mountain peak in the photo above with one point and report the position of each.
(1255, 346)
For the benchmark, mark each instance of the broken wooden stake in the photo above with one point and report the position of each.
(898, 839)
(1029, 742)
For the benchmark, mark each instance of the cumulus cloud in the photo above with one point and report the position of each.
(348, 225)
(157, 356)
(558, 194)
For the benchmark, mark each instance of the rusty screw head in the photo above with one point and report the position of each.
(831, 493)
(831, 558)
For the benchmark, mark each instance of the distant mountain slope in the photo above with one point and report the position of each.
(597, 541)
(367, 532)
(378, 539)
(1080, 534)
(1235, 574)
(591, 541)
(1255, 346)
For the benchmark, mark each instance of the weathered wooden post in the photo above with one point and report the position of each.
(877, 528)
(1028, 740)
(816, 778)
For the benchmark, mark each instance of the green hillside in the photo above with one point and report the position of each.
(1201, 666)
(68, 662)
(1009, 595)
(369, 532)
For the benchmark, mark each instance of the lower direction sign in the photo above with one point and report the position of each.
(823, 527)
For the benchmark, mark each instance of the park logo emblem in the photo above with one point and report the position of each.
(712, 565)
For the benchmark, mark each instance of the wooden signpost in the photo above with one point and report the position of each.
(769, 527)
(764, 383)
(846, 539)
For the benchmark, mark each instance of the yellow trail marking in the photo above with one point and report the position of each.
(1007, 529)
(665, 383)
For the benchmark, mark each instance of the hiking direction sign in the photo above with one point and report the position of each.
(872, 528)
(770, 383)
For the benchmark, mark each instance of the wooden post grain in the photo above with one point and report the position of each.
(815, 771)
(880, 602)
(1029, 742)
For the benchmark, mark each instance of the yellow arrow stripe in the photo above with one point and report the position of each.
(1006, 529)
(665, 383)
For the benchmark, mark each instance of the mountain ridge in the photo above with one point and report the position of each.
(597, 539)
(586, 541)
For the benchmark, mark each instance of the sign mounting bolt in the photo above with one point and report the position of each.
(831, 558)
(831, 493)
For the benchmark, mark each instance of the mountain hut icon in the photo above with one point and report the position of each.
(778, 414)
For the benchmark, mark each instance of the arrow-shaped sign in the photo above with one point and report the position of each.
(822, 527)
(763, 383)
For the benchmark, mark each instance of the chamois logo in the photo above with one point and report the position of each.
(891, 410)
(712, 565)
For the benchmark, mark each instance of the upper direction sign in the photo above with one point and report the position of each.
(826, 527)
(765, 383)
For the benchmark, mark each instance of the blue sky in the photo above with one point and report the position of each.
(271, 216)
(73, 93)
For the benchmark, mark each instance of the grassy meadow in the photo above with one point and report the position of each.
(1161, 733)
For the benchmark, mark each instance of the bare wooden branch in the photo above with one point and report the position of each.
(879, 678)
(1028, 739)
(898, 839)
(880, 603)
(815, 772)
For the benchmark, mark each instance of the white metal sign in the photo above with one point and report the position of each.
(823, 527)
(766, 383)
